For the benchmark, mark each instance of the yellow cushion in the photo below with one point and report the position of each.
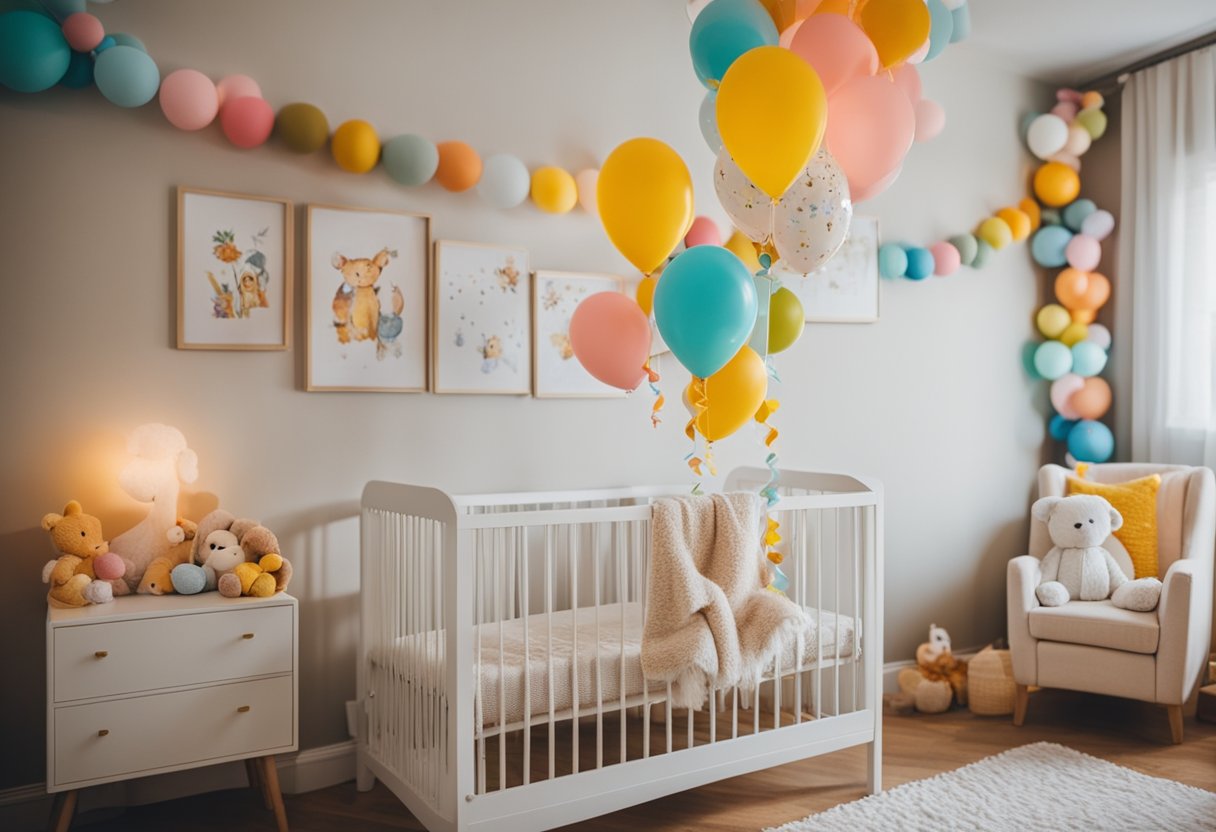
(1136, 500)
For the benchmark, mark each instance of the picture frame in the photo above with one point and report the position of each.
(556, 373)
(235, 276)
(481, 319)
(847, 289)
(367, 299)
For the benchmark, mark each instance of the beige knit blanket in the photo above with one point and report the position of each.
(709, 620)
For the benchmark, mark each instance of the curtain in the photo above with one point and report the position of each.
(1167, 251)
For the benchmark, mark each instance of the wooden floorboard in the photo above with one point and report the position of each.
(1132, 734)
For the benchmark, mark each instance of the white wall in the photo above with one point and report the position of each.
(932, 399)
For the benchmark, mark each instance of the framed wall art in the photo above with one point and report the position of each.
(556, 373)
(366, 293)
(846, 289)
(234, 271)
(481, 319)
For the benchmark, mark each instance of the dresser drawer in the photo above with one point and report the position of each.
(127, 736)
(93, 660)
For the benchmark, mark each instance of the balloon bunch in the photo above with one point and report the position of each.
(58, 42)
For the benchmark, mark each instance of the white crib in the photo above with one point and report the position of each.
(499, 679)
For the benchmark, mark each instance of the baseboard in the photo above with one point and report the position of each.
(890, 670)
(26, 808)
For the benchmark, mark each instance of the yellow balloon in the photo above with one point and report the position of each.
(772, 111)
(1031, 209)
(1052, 320)
(645, 293)
(897, 28)
(744, 249)
(355, 146)
(644, 196)
(1056, 184)
(733, 395)
(1084, 316)
(1074, 333)
(786, 320)
(995, 232)
(1018, 222)
(554, 190)
(848, 8)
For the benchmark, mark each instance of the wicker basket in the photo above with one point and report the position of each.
(990, 685)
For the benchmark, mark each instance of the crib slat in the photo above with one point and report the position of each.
(479, 606)
(836, 610)
(599, 671)
(500, 613)
(549, 537)
(521, 547)
(572, 558)
(667, 721)
(819, 615)
(622, 598)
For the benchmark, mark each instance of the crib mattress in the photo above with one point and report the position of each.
(574, 649)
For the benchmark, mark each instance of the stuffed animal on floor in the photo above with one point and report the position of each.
(938, 678)
(236, 557)
(1077, 568)
(81, 573)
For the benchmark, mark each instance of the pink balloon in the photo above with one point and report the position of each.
(233, 87)
(247, 121)
(704, 232)
(1066, 94)
(610, 336)
(1066, 110)
(188, 99)
(877, 188)
(1061, 393)
(1083, 252)
(907, 78)
(836, 48)
(871, 125)
(946, 259)
(83, 31)
(930, 119)
(787, 37)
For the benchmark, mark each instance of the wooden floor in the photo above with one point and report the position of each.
(1128, 733)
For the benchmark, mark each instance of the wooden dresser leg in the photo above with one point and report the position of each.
(61, 814)
(253, 772)
(1021, 697)
(270, 779)
(1175, 712)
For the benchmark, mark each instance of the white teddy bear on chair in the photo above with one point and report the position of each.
(1077, 568)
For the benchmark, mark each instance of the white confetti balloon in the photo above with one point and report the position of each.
(812, 218)
(749, 208)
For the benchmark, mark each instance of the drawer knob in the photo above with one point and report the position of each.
(101, 654)
(103, 732)
(243, 709)
(247, 636)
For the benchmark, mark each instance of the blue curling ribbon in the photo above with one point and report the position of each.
(780, 582)
(769, 492)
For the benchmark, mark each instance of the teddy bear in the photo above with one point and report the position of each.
(1077, 568)
(81, 573)
(938, 678)
(234, 556)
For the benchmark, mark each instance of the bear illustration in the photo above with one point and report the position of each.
(356, 304)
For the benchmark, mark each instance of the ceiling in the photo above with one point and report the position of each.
(1072, 41)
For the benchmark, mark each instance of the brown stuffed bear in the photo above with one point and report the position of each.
(260, 570)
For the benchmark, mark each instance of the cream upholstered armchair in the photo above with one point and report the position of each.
(1096, 647)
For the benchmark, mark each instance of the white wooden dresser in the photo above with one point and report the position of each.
(152, 684)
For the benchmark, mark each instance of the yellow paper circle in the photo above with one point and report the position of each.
(1018, 222)
(355, 146)
(1056, 184)
(995, 232)
(554, 190)
(1052, 320)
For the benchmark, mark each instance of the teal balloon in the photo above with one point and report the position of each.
(1088, 359)
(7, 6)
(920, 263)
(982, 252)
(1028, 351)
(1050, 216)
(33, 52)
(1059, 427)
(123, 39)
(107, 42)
(126, 76)
(1091, 441)
(409, 159)
(1076, 212)
(705, 308)
(723, 31)
(962, 24)
(1048, 246)
(63, 8)
(80, 72)
(967, 246)
(941, 28)
(708, 116)
(1052, 360)
(892, 261)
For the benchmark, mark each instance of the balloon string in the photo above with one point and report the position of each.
(700, 403)
(653, 377)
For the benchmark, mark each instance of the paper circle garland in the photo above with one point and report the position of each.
(188, 99)
(247, 122)
(232, 87)
(459, 166)
(1056, 184)
(302, 127)
(586, 181)
(127, 77)
(355, 146)
(554, 190)
(83, 31)
(504, 181)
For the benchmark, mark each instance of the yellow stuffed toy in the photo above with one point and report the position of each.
(80, 574)
(257, 579)
(260, 570)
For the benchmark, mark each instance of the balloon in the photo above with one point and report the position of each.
(1062, 390)
(1084, 316)
(920, 263)
(1049, 244)
(1052, 320)
(898, 28)
(107, 42)
(1078, 140)
(1093, 122)
(941, 28)
(1047, 135)
(1071, 285)
(946, 259)
(586, 180)
(1088, 359)
(705, 308)
(1066, 110)
(871, 129)
(80, 72)
(304, 129)
(733, 395)
(610, 337)
(836, 48)
(459, 166)
(554, 190)
(787, 36)
(188, 99)
(1056, 184)
(246, 122)
(1031, 209)
(892, 261)
(83, 31)
(1052, 360)
(1028, 350)
(1096, 293)
(1093, 399)
(645, 294)
(771, 113)
(63, 8)
(504, 181)
(786, 320)
(708, 117)
(355, 146)
(871, 191)
(907, 78)
(1059, 427)
(783, 12)
(1050, 216)
(723, 32)
(33, 52)
(128, 77)
(1066, 159)
(1099, 335)
(962, 23)
(930, 119)
(704, 232)
(232, 87)
(1083, 252)
(1098, 225)
(1018, 222)
(1092, 99)
(995, 232)
(410, 159)
(749, 208)
(743, 248)
(1091, 441)
(124, 39)
(1074, 215)
(1074, 333)
(965, 244)
(644, 195)
(982, 252)
(811, 222)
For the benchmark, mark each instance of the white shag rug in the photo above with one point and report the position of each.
(1042, 786)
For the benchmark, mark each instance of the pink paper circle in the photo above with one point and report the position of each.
(946, 258)
(188, 99)
(247, 121)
